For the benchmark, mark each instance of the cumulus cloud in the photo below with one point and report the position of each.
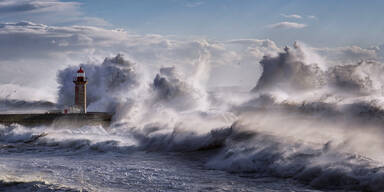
(25, 45)
(256, 47)
(292, 16)
(287, 25)
(348, 54)
(29, 39)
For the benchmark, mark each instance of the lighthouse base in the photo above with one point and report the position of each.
(57, 119)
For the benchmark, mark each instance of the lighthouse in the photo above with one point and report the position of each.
(81, 90)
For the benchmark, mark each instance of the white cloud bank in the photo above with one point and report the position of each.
(31, 54)
(292, 16)
(287, 25)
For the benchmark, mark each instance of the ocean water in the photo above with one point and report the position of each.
(94, 159)
(32, 163)
(134, 171)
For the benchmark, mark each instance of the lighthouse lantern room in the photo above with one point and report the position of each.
(81, 90)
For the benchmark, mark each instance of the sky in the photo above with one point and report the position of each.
(319, 23)
(40, 37)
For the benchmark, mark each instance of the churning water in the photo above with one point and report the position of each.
(303, 127)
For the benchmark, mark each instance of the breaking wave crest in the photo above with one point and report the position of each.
(16, 138)
(245, 147)
(317, 124)
(319, 165)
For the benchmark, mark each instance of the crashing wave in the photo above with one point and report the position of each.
(304, 120)
(319, 167)
(20, 186)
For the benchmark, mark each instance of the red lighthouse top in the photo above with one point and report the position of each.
(80, 76)
(80, 70)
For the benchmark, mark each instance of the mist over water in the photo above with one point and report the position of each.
(307, 121)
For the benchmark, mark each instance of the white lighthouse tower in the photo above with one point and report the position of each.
(81, 91)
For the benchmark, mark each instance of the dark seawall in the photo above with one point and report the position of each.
(57, 119)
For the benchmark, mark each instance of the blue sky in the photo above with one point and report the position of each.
(336, 23)
(321, 23)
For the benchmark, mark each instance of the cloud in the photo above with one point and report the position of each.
(47, 11)
(30, 40)
(312, 17)
(31, 53)
(194, 4)
(347, 55)
(287, 25)
(292, 16)
(35, 6)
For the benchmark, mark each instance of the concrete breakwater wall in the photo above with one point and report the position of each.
(57, 119)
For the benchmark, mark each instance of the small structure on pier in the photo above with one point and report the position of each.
(75, 115)
(81, 91)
